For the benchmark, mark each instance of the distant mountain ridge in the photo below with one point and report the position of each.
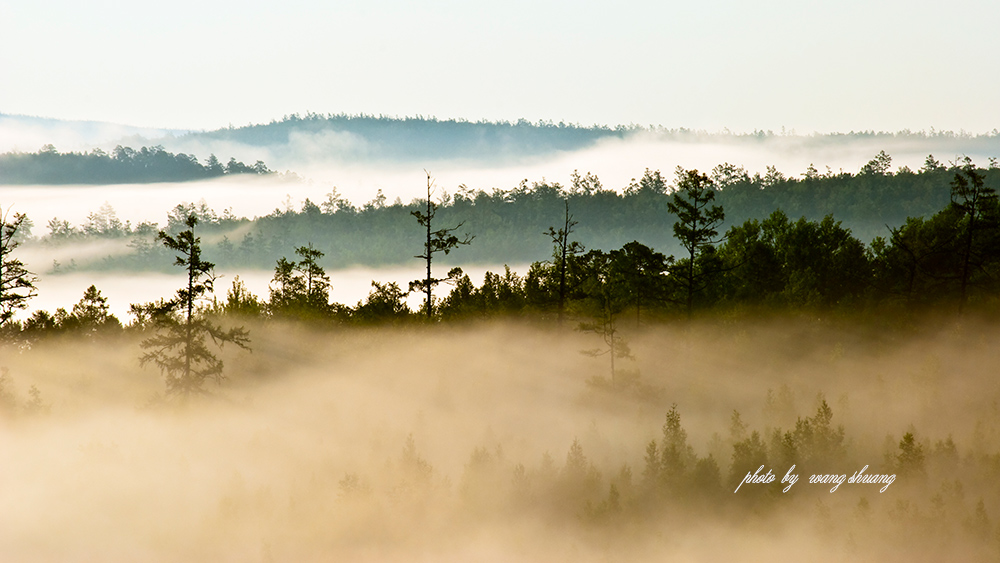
(368, 138)
(377, 138)
(295, 141)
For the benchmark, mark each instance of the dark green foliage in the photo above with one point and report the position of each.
(979, 224)
(498, 295)
(639, 275)
(952, 256)
(805, 263)
(300, 289)
(89, 316)
(123, 166)
(17, 284)
(179, 347)
(385, 304)
(696, 229)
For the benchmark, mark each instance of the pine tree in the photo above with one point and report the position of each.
(179, 348)
(695, 228)
(17, 284)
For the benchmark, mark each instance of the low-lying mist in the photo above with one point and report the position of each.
(320, 165)
(502, 441)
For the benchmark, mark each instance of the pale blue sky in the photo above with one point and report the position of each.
(743, 65)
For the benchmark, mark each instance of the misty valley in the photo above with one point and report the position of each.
(500, 437)
(723, 365)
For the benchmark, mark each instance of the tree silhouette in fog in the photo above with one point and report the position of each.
(441, 240)
(979, 221)
(563, 251)
(179, 348)
(17, 284)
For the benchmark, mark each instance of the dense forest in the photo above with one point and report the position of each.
(419, 138)
(774, 260)
(704, 375)
(423, 139)
(124, 165)
(509, 224)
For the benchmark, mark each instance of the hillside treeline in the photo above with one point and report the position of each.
(509, 224)
(950, 259)
(124, 165)
(417, 138)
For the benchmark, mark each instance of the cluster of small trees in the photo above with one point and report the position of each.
(593, 488)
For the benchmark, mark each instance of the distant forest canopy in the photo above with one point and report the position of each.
(510, 225)
(419, 138)
(422, 139)
(124, 165)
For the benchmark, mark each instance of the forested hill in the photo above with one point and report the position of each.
(413, 138)
(510, 225)
(366, 138)
(124, 165)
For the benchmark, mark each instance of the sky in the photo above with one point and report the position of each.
(805, 66)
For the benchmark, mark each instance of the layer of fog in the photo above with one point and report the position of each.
(260, 473)
(614, 161)
(353, 165)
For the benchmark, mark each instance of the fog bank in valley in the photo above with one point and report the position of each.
(487, 442)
